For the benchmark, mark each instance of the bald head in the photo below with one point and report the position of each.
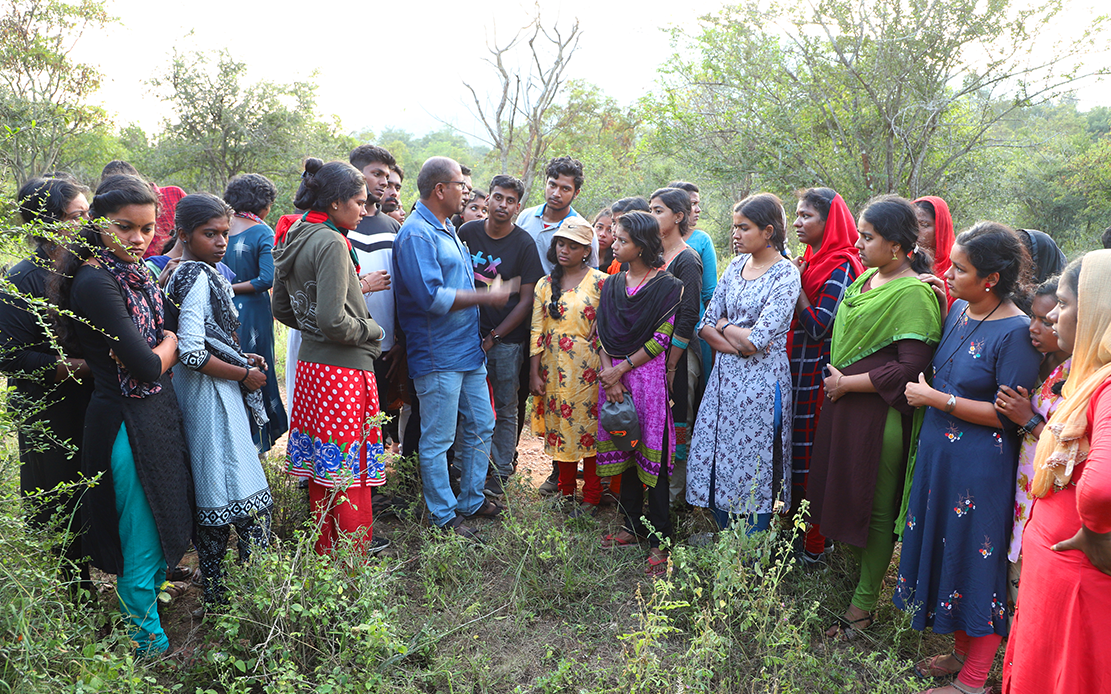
(441, 186)
(437, 170)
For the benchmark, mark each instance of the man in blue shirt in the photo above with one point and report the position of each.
(437, 307)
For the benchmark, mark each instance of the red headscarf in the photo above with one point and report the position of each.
(943, 233)
(943, 237)
(838, 247)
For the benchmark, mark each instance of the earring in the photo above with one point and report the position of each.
(987, 289)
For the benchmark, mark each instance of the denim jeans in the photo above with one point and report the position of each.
(447, 396)
(503, 362)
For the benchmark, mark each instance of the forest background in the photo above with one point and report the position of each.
(972, 100)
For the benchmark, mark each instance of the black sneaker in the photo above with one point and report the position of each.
(377, 544)
(551, 485)
(495, 485)
(813, 562)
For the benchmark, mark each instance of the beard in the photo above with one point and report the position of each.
(389, 205)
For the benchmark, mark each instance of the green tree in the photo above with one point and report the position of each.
(43, 90)
(222, 127)
(867, 96)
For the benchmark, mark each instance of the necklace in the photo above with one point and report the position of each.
(667, 261)
(642, 281)
(964, 316)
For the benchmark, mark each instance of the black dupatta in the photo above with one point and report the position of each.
(626, 323)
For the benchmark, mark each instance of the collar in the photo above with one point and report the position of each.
(426, 214)
(541, 208)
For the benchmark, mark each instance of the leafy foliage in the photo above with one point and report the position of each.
(43, 91)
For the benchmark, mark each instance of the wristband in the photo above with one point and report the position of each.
(248, 373)
(1031, 425)
(630, 363)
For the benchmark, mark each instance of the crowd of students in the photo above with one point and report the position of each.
(906, 382)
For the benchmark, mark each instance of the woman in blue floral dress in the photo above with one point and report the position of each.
(953, 568)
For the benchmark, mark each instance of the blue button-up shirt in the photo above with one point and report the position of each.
(430, 264)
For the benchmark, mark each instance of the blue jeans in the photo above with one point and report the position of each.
(448, 396)
(503, 361)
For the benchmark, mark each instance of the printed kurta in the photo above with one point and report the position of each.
(740, 457)
(227, 476)
(953, 568)
(1044, 402)
(569, 366)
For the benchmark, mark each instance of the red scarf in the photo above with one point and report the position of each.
(838, 247)
(943, 237)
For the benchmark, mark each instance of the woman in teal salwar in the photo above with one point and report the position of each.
(887, 326)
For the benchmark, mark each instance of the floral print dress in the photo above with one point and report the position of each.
(953, 566)
(740, 456)
(569, 366)
(1044, 402)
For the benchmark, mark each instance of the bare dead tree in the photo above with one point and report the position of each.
(517, 120)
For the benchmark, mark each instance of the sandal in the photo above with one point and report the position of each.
(657, 564)
(170, 590)
(488, 509)
(928, 669)
(847, 629)
(622, 539)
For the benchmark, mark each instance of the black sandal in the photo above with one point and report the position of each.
(488, 509)
(847, 629)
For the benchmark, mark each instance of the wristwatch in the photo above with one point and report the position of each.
(496, 337)
(1031, 425)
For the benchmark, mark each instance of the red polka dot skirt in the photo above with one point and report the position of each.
(331, 440)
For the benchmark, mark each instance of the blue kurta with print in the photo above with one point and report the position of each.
(953, 567)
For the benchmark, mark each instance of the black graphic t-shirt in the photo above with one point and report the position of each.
(510, 257)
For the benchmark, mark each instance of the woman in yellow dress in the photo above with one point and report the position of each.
(564, 360)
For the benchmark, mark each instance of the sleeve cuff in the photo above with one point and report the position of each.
(441, 303)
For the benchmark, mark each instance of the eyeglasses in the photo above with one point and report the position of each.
(462, 184)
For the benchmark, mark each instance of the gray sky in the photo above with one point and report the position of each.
(392, 64)
(380, 64)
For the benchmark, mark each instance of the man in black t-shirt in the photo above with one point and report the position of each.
(502, 252)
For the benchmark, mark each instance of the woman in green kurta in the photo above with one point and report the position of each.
(884, 337)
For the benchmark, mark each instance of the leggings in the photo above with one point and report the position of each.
(568, 480)
(144, 564)
(978, 653)
(875, 557)
(212, 544)
(339, 511)
(659, 505)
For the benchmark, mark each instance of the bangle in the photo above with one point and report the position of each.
(630, 363)
(839, 377)
(245, 375)
(951, 404)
